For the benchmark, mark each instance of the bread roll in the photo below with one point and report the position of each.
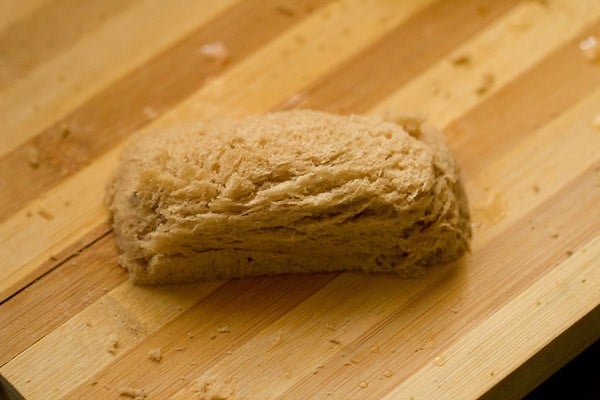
(287, 192)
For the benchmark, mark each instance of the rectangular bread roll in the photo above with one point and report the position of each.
(287, 192)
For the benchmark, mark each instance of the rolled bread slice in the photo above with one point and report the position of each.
(287, 192)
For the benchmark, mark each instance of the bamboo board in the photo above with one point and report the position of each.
(506, 80)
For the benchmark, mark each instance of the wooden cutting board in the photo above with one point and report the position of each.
(507, 81)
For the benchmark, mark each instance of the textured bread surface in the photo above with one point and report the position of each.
(287, 192)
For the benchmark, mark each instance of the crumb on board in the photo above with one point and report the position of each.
(224, 329)
(94, 383)
(33, 157)
(487, 81)
(387, 373)
(590, 48)
(190, 335)
(216, 52)
(134, 393)
(334, 341)
(47, 215)
(155, 354)
(363, 384)
(150, 112)
(180, 348)
(374, 349)
(554, 234)
(113, 343)
(461, 60)
(569, 253)
(535, 188)
(596, 122)
(53, 257)
(439, 361)
(88, 324)
(213, 336)
(65, 132)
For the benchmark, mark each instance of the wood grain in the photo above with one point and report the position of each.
(527, 144)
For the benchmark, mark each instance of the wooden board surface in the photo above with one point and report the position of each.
(506, 80)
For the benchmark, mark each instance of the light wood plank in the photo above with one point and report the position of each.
(481, 358)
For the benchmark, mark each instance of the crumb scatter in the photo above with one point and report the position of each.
(133, 393)
(216, 52)
(487, 81)
(47, 215)
(155, 354)
(590, 48)
(113, 343)
(33, 157)
(461, 60)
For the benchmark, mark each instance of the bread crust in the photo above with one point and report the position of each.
(287, 192)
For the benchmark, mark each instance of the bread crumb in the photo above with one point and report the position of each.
(363, 385)
(590, 48)
(439, 361)
(190, 335)
(150, 112)
(216, 52)
(539, 301)
(597, 122)
(535, 188)
(228, 352)
(224, 329)
(134, 393)
(374, 349)
(113, 343)
(53, 258)
(155, 354)
(461, 60)
(334, 341)
(569, 253)
(487, 81)
(33, 157)
(194, 363)
(88, 324)
(65, 132)
(387, 373)
(554, 235)
(181, 348)
(93, 383)
(47, 215)
(213, 336)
